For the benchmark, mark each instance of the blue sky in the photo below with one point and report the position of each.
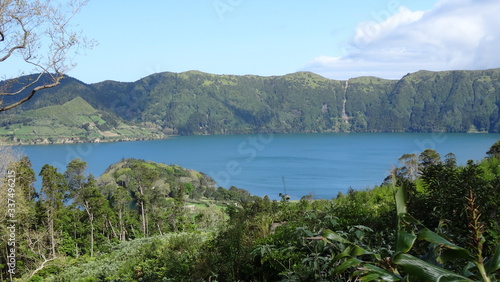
(336, 39)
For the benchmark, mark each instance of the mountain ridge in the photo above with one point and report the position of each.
(195, 102)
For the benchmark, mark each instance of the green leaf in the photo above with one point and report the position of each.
(424, 271)
(466, 271)
(339, 256)
(355, 250)
(329, 234)
(401, 199)
(450, 252)
(405, 241)
(370, 277)
(381, 274)
(493, 264)
(350, 262)
(433, 237)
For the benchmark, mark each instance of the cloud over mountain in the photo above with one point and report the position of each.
(455, 34)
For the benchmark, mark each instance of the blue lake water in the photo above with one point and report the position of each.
(319, 164)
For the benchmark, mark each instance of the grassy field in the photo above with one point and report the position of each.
(74, 121)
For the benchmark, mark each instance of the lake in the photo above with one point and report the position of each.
(266, 164)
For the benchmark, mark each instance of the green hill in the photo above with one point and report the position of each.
(200, 103)
(73, 121)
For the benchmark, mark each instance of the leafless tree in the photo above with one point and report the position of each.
(38, 37)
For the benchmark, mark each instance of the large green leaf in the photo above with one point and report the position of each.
(405, 241)
(450, 250)
(432, 237)
(423, 271)
(371, 272)
(401, 199)
(493, 264)
(350, 262)
(355, 250)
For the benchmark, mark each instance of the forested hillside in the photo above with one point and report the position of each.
(200, 103)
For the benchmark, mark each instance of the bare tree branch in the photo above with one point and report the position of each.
(24, 87)
(56, 82)
(20, 46)
(41, 267)
(39, 32)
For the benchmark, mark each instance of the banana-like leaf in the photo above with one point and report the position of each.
(493, 264)
(450, 250)
(423, 271)
(350, 262)
(370, 277)
(401, 199)
(409, 219)
(339, 256)
(376, 273)
(355, 250)
(405, 241)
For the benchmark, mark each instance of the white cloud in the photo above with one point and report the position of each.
(455, 34)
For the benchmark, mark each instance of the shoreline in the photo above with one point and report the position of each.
(76, 140)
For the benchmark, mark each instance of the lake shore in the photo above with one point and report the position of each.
(77, 140)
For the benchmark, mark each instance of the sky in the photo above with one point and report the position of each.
(333, 38)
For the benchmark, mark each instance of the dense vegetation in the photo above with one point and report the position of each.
(431, 220)
(200, 103)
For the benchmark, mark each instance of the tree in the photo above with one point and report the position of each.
(75, 175)
(7, 156)
(494, 151)
(53, 193)
(142, 178)
(410, 166)
(450, 160)
(93, 202)
(40, 34)
(429, 157)
(119, 201)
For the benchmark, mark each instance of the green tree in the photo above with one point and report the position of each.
(53, 193)
(75, 175)
(429, 157)
(120, 201)
(93, 203)
(142, 177)
(18, 191)
(494, 151)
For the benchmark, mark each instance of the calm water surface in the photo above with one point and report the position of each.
(319, 164)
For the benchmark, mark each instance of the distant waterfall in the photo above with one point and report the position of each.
(345, 118)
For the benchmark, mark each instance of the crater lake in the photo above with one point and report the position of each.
(321, 165)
